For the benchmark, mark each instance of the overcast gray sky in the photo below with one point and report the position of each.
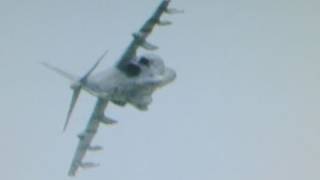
(244, 106)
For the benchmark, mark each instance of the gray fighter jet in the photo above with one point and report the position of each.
(132, 80)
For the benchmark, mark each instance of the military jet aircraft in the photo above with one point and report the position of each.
(132, 80)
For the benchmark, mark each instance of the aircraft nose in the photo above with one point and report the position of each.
(168, 76)
(171, 74)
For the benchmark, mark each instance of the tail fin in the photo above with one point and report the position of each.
(75, 95)
(60, 71)
(77, 84)
(77, 88)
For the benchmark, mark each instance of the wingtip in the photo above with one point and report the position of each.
(66, 124)
(64, 128)
(45, 64)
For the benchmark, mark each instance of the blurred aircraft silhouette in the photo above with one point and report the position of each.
(132, 80)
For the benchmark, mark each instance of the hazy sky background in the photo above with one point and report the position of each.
(245, 105)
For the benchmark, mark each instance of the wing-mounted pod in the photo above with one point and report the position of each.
(174, 11)
(145, 44)
(108, 121)
(164, 23)
(95, 148)
(87, 165)
(148, 46)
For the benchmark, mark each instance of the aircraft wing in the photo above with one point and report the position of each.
(86, 137)
(139, 38)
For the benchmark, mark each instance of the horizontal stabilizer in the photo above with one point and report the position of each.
(164, 23)
(75, 96)
(60, 71)
(87, 165)
(173, 11)
(148, 46)
(85, 77)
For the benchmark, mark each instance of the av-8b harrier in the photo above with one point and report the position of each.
(132, 80)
